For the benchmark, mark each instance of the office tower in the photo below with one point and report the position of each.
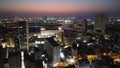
(45, 19)
(100, 22)
(84, 27)
(69, 36)
(53, 49)
(22, 34)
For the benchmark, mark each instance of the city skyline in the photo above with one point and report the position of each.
(58, 7)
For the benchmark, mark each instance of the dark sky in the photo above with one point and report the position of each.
(58, 7)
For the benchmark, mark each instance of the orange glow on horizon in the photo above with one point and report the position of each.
(49, 9)
(57, 7)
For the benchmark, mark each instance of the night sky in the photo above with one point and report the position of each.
(58, 7)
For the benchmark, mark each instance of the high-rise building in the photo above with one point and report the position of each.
(22, 34)
(84, 27)
(100, 22)
(45, 20)
(53, 49)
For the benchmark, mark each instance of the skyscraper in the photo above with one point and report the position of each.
(53, 49)
(84, 27)
(22, 34)
(45, 19)
(100, 22)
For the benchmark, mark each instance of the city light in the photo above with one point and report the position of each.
(42, 29)
(35, 34)
(22, 55)
(62, 55)
(43, 55)
(77, 45)
(44, 65)
(29, 53)
(66, 46)
(22, 60)
(3, 45)
(90, 44)
(91, 57)
(117, 60)
(48, 36)
(72, 61)
(37, 42)
(42, 42)
(84, 41)
(59, 28)
(118, 20)
(93, 23)
(36, 45)
(78, 38)
(39, 36)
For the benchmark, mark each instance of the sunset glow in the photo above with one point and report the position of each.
(59, 6)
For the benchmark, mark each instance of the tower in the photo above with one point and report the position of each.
(45, 19)
(84, 27)
(100, 22)
(22, 34)
(53, 49)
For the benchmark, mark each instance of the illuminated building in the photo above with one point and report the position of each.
(22, 34)
(45, 19)
(40, 30)
(53, 49)
(69, 36)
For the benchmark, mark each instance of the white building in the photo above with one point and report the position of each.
(53, 49)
